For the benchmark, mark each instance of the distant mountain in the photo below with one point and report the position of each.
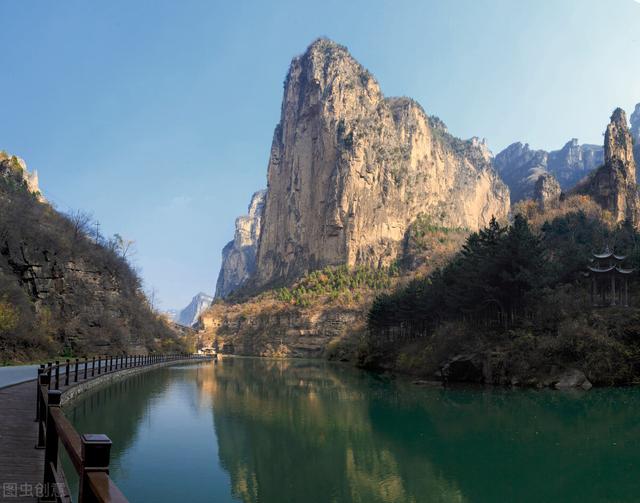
(520, 166)
(239, 255)
(189, 315)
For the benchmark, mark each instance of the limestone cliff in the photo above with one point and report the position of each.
(520, 166)
(547, 191)
(350, 170)
(635, 132)
(613, 186)
(239, 255)
(14, 169)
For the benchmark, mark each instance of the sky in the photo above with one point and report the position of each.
(157, 116)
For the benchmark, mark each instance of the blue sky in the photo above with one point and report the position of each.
(157, 116)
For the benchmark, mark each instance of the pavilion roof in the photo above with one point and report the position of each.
(614, 268)
(608, 254)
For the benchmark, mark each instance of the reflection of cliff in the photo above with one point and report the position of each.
(302, 430)
(287, 429)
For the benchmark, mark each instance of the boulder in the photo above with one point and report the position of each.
(572, 378)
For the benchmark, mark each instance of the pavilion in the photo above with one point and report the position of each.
(609, 279)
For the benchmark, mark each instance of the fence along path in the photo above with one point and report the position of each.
(33, 430)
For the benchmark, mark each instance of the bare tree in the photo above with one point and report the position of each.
(122, 246)
(80, 223)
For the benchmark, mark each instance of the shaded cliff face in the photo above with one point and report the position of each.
(239, 255)
(59, 289)
(520, 167)
(350, 170)
(547, 191)
(635, 132)
(613, 186)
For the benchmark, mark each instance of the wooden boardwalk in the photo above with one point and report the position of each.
(21, 463)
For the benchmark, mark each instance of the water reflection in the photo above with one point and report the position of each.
(277, 431)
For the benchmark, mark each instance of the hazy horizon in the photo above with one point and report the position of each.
(157, 117)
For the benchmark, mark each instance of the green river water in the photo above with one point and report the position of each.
(274, 431)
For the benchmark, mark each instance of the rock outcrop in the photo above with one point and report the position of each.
(635, 132)
(635, 122)
(14, 168)
(613, 186)
(350, 170)
(239, 255)
(547, 190)
(520, 166)
(188, 316)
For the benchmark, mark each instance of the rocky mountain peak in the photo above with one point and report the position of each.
(190, 314)
(613, 185)
(350, 170)
(618, 144)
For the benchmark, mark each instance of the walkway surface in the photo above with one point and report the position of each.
(17, 374)
(20, 463)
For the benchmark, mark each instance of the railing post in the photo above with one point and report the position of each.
(58, 374)
(40, 371)
(51, 448)
(49, 369)
(96, 450)
(75, 377)
(86, 364)
(111, 364)
(99, 364)
(43, 384)
(93, 366)
(66, 374)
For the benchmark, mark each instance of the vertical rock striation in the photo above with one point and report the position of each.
(635, 132)
(613, 185)
(350, 170)
(239, 255)
(547, 191)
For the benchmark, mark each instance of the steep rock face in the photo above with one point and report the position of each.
(15, 169)
(190, 314)
(635, 122)
(547, 190)
(613, 186)
(350, 170)
(635, 132)
(573, 162)
(280, 330)
(239, 255)
(520, 166)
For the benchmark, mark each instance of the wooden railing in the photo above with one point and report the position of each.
(89, 453)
